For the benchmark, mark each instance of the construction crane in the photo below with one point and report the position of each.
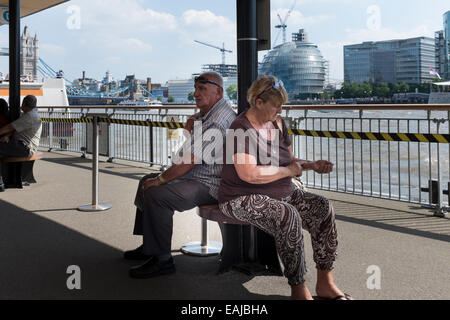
(223, 50)
(282, 24)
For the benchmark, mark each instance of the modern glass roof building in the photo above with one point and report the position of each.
(406, 60)
(299, 64)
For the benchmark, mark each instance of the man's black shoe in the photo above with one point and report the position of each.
(136, 254)
(152, 268)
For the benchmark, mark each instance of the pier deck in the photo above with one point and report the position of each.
(42, 233)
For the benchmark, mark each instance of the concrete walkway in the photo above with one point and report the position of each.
(42, 234)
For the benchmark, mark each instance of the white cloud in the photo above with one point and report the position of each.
(206, 26)
(49, 49)
(124, 16)
(296, 18)
(290, 3)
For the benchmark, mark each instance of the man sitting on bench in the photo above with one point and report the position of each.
(21, 137)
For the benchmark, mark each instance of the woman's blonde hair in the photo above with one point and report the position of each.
(264, 88)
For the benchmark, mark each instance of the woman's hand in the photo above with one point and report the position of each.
(295, 168)
(322, 166)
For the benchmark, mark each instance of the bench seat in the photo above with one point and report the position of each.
(213, 213)
(38, 155)
(237, 248)
(24, 167)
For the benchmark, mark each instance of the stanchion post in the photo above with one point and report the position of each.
(95, 206)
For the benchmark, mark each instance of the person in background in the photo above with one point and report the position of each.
(4, 112)
(20, 138)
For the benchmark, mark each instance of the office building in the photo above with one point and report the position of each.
(225, 70)
(440, 52)
(179, 89)
(299, 64)
(394, 61)
(447, 45)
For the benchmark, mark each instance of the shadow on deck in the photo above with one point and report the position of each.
(42, 234)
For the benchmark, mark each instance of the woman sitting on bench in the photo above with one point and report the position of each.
(21, 137)
(263, 195)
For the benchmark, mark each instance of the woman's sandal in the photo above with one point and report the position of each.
(345, 297)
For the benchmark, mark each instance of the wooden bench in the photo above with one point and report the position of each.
(23, 166)
(237, 245)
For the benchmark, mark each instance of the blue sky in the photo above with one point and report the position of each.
(155, 38)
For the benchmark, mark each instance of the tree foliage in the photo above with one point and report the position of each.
(232, 92)
(382, 90)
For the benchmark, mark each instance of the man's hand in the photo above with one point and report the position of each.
(322, 166)
(150, 182)
(190, 122)
(4, 139)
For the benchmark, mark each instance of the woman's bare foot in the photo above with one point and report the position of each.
(300, 292)
(325, 287)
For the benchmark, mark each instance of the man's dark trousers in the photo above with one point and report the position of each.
(155, 220)
(13, 148)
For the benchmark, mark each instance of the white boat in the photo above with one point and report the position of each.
(50, 92)
(140, 103)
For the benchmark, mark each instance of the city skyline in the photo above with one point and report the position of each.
(156, 38)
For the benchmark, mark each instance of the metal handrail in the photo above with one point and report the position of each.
(434, 107)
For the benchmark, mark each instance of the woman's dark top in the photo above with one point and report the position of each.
(231, 186)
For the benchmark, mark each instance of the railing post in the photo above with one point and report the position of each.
(111, 142)
(50, 136)
(152, 160)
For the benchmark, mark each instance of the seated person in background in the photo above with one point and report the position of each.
(264, 195)
(183, 185)
(21, 137)
(3, 113)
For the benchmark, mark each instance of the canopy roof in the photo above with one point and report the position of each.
(28, 7)
(446, 83)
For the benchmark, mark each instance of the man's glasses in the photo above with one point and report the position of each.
(204, 80)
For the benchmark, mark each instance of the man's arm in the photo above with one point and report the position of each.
(8, 129)
(174, 172)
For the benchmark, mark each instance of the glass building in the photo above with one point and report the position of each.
(447, 45)
(440, 52)
(299, 64)
(407, 60)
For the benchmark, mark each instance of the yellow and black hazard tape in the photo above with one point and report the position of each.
(158, 124)
(375, 136)
(169, 125)
(67, 120)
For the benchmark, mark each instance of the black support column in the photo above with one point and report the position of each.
(14, 58)
(247, 54)
(14, 78)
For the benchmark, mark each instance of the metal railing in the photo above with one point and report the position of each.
(384, 151)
